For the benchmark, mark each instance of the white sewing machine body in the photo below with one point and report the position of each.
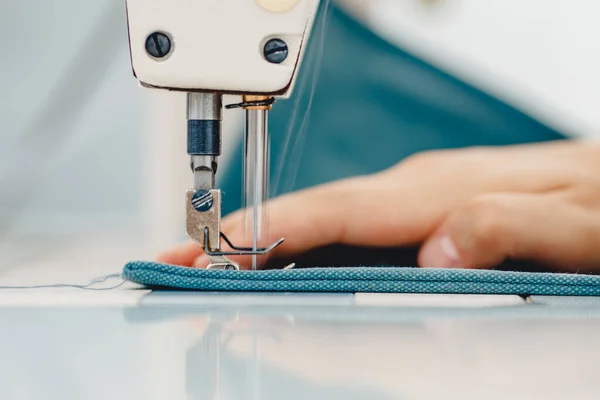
(218, 45)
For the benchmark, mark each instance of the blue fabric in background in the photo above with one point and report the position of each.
(373, 105)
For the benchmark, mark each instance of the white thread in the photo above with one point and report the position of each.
(100, 279)
(292, 174)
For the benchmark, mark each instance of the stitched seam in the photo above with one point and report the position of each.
(270, 279)
(210, 286)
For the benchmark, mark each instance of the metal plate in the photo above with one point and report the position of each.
(197, 221)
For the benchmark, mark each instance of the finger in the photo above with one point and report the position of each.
(377, 211)
(493, 228)
(183, 254)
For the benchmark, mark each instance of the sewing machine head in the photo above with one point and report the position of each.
(234, 46)
(209, 48)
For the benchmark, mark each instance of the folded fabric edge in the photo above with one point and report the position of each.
(393, 274)
(159, 280)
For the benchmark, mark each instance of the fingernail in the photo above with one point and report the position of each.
(201, 262)
(440, 252)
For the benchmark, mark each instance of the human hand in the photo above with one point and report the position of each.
(468, 208)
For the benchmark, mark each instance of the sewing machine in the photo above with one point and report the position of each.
(208, 48)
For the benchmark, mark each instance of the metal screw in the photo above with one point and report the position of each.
(202, 200)
(158, 45)
(276, 51)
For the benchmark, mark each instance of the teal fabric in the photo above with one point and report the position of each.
(373, 105)
(363, 279)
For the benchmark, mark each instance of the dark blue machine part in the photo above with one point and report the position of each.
(204, 137)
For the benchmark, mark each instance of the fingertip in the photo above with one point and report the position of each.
(164, 257)
(183, 254)
(201, 261)
(439, 252)
(169, 256)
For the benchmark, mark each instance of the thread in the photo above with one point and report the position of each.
(88, 286)
(297, 147)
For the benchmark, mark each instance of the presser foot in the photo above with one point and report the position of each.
(203, 220)
(217, 257)
(217, 262)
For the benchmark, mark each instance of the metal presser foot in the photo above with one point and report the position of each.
(203, 218)
(203, 203)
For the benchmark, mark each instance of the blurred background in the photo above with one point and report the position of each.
(93, 168)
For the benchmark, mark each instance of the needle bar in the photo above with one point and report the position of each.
(256, 178)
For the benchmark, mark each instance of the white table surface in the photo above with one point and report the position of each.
(130, 343)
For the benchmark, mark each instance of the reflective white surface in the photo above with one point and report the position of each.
(184, 345)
